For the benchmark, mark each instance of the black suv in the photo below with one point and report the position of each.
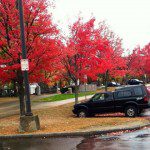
(131, 100)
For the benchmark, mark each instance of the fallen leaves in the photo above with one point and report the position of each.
(61, 119)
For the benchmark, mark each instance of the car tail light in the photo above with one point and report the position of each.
(146, 99)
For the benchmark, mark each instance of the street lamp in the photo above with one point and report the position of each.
(25, 71)
(27, 122)
(85, 78)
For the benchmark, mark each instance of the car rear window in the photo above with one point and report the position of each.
(138, 91)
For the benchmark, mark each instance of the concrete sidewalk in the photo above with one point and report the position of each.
(41, 105)
(12, 108)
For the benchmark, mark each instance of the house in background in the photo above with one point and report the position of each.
(35, 89)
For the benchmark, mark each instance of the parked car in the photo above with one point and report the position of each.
(66, 89)
(131, 100)
(7, 92)
(113, 84)
(135, 82)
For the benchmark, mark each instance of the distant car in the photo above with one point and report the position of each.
(135, 82)
(7, 92)
(66, 89)
(113, 84)
(131, 100)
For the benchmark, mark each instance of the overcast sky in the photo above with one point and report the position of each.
(130, 19)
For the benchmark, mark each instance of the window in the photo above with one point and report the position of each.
(102, 97)
(98, 97)
(107, 96)
(127, 93)
(124, 94)
(120, 94)
(138, 91)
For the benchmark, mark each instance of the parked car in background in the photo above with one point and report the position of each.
(131, 100)
(66, 89)
(7, 92)
(113, 84)
(135, 82)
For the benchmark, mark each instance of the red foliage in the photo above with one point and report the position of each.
(138, 62)
(146, 55)
(40, 34)
(83, 53)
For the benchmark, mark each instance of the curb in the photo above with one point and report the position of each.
(71, 134)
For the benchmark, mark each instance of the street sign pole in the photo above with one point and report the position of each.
(25, 71)
(85, 77)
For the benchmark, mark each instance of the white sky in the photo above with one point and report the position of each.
(130, 19)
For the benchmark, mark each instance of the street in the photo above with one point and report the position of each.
(128, 141)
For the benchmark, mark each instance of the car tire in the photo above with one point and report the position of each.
(82, 113)
(131, 111)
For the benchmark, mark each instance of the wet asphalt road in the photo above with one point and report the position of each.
(137, 140)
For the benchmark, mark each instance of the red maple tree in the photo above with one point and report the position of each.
(145, 52)
(41, 43)
(136, 62)
(114, 64)
(83, 53)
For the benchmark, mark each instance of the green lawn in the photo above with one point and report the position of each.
(60, 97)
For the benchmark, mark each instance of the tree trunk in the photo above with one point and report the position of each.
(76, 92)
(15, 88)
(106, 80)
(21, 92)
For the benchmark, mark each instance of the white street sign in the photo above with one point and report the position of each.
(24, 64)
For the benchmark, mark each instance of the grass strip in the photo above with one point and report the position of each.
(60, 97)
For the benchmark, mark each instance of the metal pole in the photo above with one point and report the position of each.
(85, 77)
(25, 73)
(85, 90)
(106, 80)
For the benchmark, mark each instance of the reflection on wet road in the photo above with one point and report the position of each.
(40, 144)
(128, 141)
(139, 140)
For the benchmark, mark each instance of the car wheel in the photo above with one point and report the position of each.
(82, 113)
(131, 111)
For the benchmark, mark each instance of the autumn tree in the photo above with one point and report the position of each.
(145, 54)
(114, 64)
(41, 43)
(136, 63)
(82, 52)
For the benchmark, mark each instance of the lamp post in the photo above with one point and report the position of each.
(85, 77)
(106, 80)
(25, 71)
(27, 122)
